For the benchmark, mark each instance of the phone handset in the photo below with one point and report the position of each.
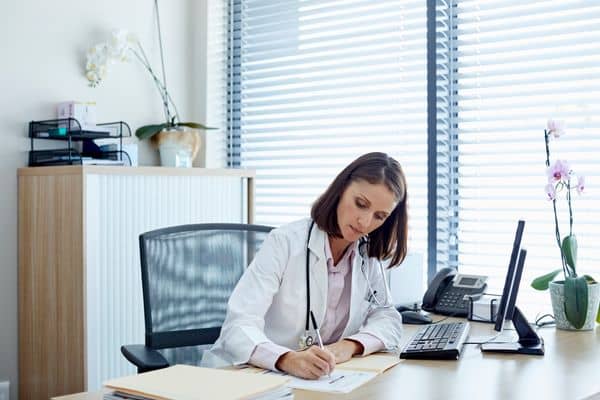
(442, 279)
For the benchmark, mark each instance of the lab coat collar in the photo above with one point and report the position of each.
(318, 273)
(317, 241)
(317, 245)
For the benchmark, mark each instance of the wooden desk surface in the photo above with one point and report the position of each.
(569, 370)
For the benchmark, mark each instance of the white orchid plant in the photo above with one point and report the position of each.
(122, 47)
(561, 178)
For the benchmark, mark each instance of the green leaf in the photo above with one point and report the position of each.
(576, 300)
(195, 125)
(598, 316)
(569, 248)
(147, 131)
(541, 282)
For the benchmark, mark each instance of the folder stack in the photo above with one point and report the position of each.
(186, 382)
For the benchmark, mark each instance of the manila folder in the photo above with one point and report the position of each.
(187, 382)
(376, 362)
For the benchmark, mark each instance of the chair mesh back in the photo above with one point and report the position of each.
(189, 355)
(189, 273)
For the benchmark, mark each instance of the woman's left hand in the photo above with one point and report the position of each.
(345, 349)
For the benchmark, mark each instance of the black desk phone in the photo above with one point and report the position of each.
(448, 292)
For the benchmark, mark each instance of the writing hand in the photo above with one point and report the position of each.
(311, 363)
(345, 349)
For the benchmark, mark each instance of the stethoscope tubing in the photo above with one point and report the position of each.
(306, 326)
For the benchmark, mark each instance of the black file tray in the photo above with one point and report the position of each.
(69, 130)
(39, 158)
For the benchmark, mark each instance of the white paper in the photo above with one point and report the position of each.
(340, 381)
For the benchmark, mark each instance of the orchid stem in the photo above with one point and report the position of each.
(557, 230)
(570, 208)
(546, 135)
(162, 58)
(164, 93)
(144, 61)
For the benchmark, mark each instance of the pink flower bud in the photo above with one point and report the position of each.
(580, 184)
(556, 128)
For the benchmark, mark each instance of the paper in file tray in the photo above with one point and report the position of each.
(54, 157)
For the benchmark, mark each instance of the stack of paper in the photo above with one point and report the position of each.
(186, 382)
(101, 161)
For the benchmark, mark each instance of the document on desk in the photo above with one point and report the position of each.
(340, 381)
(345, 378)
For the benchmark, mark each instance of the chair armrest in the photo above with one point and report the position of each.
(144, 358)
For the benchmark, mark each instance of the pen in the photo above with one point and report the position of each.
(318, 333)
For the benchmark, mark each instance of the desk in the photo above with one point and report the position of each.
(569, 370)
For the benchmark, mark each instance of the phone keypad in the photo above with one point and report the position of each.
(452, 302)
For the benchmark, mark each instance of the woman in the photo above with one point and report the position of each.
(360, 220)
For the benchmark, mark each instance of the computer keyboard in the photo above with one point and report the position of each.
(437, 342)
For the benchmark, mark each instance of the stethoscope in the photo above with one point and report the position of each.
(308, 339)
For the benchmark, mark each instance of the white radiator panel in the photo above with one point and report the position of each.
(117, 210)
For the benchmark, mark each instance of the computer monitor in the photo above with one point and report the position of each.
(501, 314)
(528, 342)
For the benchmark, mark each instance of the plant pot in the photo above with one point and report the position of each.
(557, 296)
(177, 147)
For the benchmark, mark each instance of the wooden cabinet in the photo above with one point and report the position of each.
(80, 293)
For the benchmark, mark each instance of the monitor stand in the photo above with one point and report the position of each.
(529, 342)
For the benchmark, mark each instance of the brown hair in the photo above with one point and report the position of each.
(389, 240)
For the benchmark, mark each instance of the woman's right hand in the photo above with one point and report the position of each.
(311, 363)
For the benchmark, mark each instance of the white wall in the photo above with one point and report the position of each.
(43, 45)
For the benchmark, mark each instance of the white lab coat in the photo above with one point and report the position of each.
(269, 301)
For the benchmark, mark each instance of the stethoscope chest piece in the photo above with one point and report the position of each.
(306, 341)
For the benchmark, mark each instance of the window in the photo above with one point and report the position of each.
(317, 83)
(322, 82)
(217, 79)
(516, 64)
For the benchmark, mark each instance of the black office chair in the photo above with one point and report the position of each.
(188, 274)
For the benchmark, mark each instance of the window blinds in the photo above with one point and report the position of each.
(442, 201)
(516, 65)
(217, 80)
(323, 82)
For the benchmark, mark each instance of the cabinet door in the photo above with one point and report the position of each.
(117, 210)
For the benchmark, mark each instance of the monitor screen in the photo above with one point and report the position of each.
(514, 290)
(509, 281)
(528, 342)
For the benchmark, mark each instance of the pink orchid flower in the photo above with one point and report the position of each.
(580, 184)
(559, 171)
(550, 191)
(556, 128)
